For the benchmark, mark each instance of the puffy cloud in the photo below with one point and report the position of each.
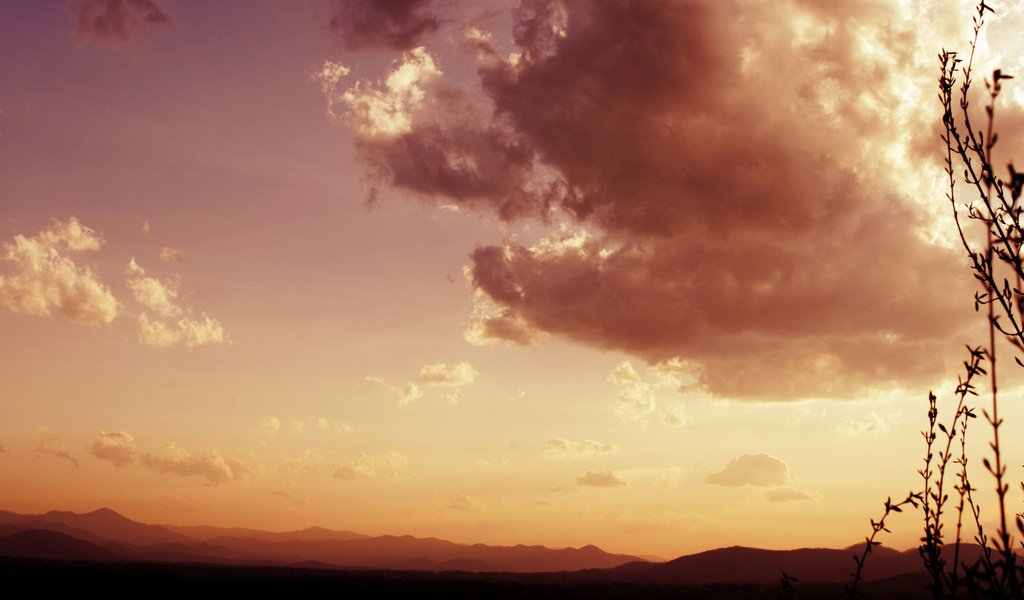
(562, 448)
(170, 324)
(172, 255)
(760, 470)
(269, 426)
(117, 447)
(393, 25)
(439, 374)
(114, 21)
(464, 503)
(212, 466)
(600, 479)
(156, 295)
(742, 183)
(40, 278)
(387, 464)
(50, 445)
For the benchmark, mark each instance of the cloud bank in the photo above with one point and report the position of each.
(734, 172)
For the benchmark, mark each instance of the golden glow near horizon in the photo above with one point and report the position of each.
(424, 277)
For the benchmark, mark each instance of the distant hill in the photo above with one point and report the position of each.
(123, 537)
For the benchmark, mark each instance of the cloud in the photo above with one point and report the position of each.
(117, 447)
(464, 503)
(391, 25)
(269, 426)
(289, 496)
(307, 462)
(636, 401)
(600, 479)
(51, 446)
(671, 478)
(674, 415)
(387, 464)
(40, 278)
(738, 168)
(172, 255)
(169, 324)
(761, 470)
(437, 375)
(562, 448)
(441, 375)
(211, 466)
(871, 423)
(108, 22)
(787, 495)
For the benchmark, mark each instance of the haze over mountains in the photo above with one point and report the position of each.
(106, 536)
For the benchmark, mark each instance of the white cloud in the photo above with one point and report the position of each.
(40, 277)
(409, 393)
(562, 448)
(212, 466)
(117, 447)
(381, 110)
(170, 324)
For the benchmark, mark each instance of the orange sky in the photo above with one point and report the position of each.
(655, 276)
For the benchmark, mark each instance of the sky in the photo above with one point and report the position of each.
(656, 276)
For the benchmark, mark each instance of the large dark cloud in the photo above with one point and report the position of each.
(114, 21)
(390, 24)
(742, 168)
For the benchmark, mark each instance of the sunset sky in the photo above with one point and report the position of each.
(656, 276)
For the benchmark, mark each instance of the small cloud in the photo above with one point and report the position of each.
(212, 466)
(289, 496)
(171, 324)
(566, 489)
(600, 479)
(786, 494)
(373, 466)
(562, 448)
(111, 22)
(409, 393)
(464, 503)
(40, 277)
(636, 401)
(441, 375)
(269, 426)
(761, 470)
(674, 415)
(117, 447)
(871, 423)
(172, 255)
(50, 445)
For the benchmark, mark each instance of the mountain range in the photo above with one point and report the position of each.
(107, 536)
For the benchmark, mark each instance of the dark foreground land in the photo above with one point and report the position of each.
(24, 578)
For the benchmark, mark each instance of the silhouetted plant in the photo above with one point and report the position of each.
(996, 263)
